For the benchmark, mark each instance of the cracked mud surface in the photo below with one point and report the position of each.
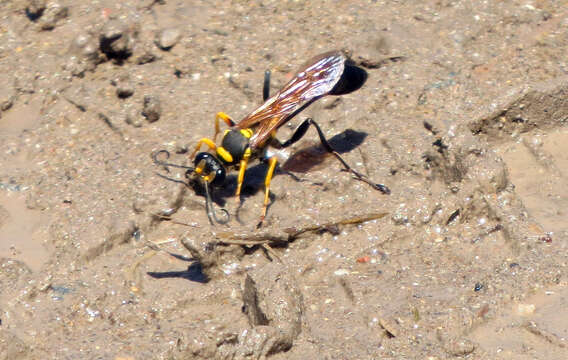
(464, 116)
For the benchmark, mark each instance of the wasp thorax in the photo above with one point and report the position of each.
(209, 168)
(234, 145)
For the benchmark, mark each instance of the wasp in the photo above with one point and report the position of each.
(330, 73)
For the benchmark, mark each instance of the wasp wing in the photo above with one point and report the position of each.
(315, 79)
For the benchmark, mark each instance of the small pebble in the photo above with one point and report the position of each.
(525, 309)
(132, 117)
(167, 38)
(341, 272)
(152, 108)
(144, 53)
(86, 46)
(460, 347)
(124, 87)
(52, 13)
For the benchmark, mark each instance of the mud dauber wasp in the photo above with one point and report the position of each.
(330, 73)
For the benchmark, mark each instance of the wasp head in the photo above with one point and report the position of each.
(209, 168)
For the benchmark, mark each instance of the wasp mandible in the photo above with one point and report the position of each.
(330, 73)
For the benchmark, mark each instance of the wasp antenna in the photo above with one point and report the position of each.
(166, 164)
(211, 211)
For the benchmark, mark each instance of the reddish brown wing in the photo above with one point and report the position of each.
(314, 80)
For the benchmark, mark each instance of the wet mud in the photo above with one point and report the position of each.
(106, 255)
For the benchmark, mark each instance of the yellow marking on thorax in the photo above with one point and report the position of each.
(247, 133)
(224, 154)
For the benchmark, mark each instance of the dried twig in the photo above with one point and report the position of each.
(284, 236)
(533, 327)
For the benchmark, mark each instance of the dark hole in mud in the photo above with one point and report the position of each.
(429, 127)
(108, 47)
(440, 146)
(453, 216)
(194, 273)
(33, 16)
(388, 334)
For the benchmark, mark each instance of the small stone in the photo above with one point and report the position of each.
(53, 13)
(7, 93)
(460, 347)
(400, 218)
(391, 327)
(85, 46)
(132, 117)
(152, 108)
(341, 272)
(144, 53)
(525, 309)
(124, 87)
(84, 55)
(167, 38)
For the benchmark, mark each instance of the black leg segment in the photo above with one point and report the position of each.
(301, 131)
(266, 86)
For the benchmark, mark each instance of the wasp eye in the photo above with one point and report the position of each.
(202, 156)
(219, 177)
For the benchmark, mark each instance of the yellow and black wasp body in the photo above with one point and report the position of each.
(331, 73)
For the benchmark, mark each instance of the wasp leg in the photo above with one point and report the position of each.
(210, 143)
(266, 86)
(241, 177)
(271, 166)
(301, 131)
(226, 118)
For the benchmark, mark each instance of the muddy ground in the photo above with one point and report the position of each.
(464, 116)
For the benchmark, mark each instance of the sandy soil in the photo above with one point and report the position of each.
(464, 116)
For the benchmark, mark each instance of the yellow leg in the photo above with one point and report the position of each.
(271, 166)
(206, 141)
(241, 176)
(226, 118)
